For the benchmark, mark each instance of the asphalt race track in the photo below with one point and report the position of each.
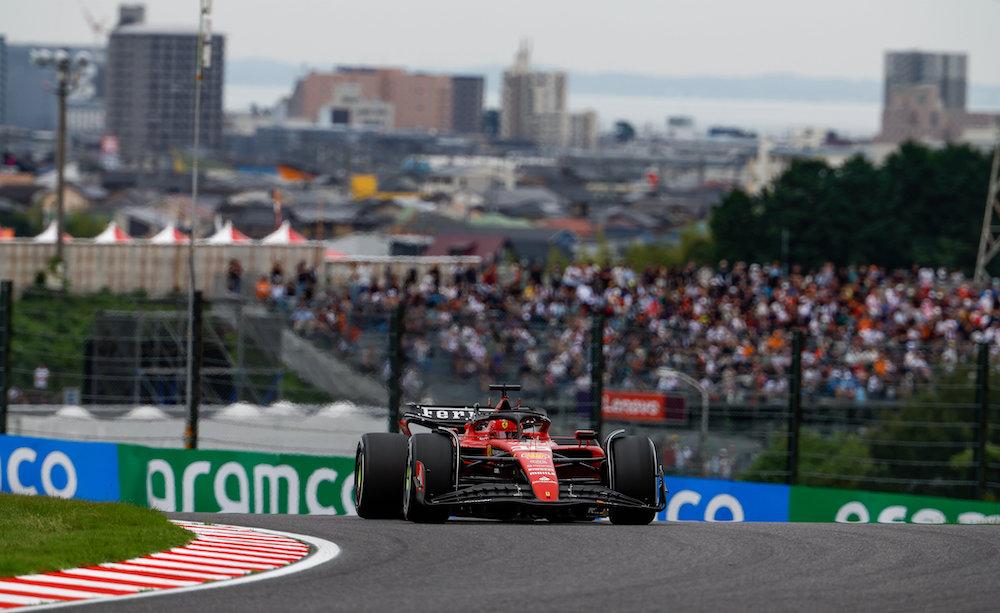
(467, 565)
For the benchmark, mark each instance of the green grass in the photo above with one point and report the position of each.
(40, 534)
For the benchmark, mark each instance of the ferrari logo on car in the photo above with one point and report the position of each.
(504, 424)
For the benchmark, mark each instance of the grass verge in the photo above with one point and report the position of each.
(41, 534)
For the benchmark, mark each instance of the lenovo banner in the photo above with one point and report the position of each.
(618, 405)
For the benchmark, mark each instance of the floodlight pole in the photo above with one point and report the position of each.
(203, 60)
(68, 69)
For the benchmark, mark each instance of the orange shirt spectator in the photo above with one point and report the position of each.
(263, 289)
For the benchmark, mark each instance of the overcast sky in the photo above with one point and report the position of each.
(827, 38)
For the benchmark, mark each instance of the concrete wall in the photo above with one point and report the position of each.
(161, 269)
(155, 269)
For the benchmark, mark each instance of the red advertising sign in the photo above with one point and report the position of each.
(643, 406)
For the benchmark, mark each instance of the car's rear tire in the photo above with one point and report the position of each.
(435, 453)
(379, 466)
(633, 466)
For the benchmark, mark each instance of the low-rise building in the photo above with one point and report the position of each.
(350, 108)
(418, 101)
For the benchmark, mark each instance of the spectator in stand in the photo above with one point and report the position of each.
(305, 281)
(262, 291)
(234, 277)
(871, 333)
(41, 377)
(277, 274)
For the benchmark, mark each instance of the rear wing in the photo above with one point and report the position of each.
(447, 416)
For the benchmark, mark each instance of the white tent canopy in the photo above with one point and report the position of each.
(169, 236)
(284, 235)
(112, 234)
(49, 235)
(227, 235)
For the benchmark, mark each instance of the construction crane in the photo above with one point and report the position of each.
(99, 28)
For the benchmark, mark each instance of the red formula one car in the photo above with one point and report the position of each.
(502, 463)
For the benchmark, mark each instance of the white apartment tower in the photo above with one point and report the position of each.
(533, 104)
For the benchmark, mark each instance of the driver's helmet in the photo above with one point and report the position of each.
(503, 428)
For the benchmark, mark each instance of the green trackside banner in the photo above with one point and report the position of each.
(820, 504)
(235, 481)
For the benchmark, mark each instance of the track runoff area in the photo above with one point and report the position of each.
(218, 556)
(467, 565)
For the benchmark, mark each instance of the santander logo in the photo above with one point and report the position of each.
(536, 461)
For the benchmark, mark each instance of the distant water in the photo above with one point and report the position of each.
(766, 116)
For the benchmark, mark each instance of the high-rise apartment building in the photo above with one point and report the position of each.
(467, 104)
(925, 98)
(416, 101)
(151, 88)
(533, 104)
(945, 72)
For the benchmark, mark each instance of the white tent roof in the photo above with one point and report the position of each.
(112, 234)
(284, 235)
(227, 235)
(49, 235)
(169, 236)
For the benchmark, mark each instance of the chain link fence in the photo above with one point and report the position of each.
(311, 376)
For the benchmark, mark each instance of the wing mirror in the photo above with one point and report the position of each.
(585, 435)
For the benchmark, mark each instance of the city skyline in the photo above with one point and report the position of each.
(635, 37)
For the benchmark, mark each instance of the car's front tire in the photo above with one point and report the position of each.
(379, 466)
(633, 466)
(430, 466)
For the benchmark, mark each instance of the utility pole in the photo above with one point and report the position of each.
(989, 239)
(192, 387)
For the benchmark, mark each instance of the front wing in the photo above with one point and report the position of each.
(570, 495)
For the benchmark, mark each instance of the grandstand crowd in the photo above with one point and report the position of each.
(871, 333)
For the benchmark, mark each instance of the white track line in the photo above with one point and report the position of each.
(170, 572)
(71, 582)
(323, 551)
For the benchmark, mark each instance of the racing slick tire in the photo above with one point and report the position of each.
(435, 454)
(379, 466)
(633, 463)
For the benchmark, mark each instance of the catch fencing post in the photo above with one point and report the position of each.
(194, 400)
(396, 331)
(794, 408)
(6, 321)
(597, 372)
(983, 407)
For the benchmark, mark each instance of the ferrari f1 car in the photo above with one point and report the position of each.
(502, 463)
